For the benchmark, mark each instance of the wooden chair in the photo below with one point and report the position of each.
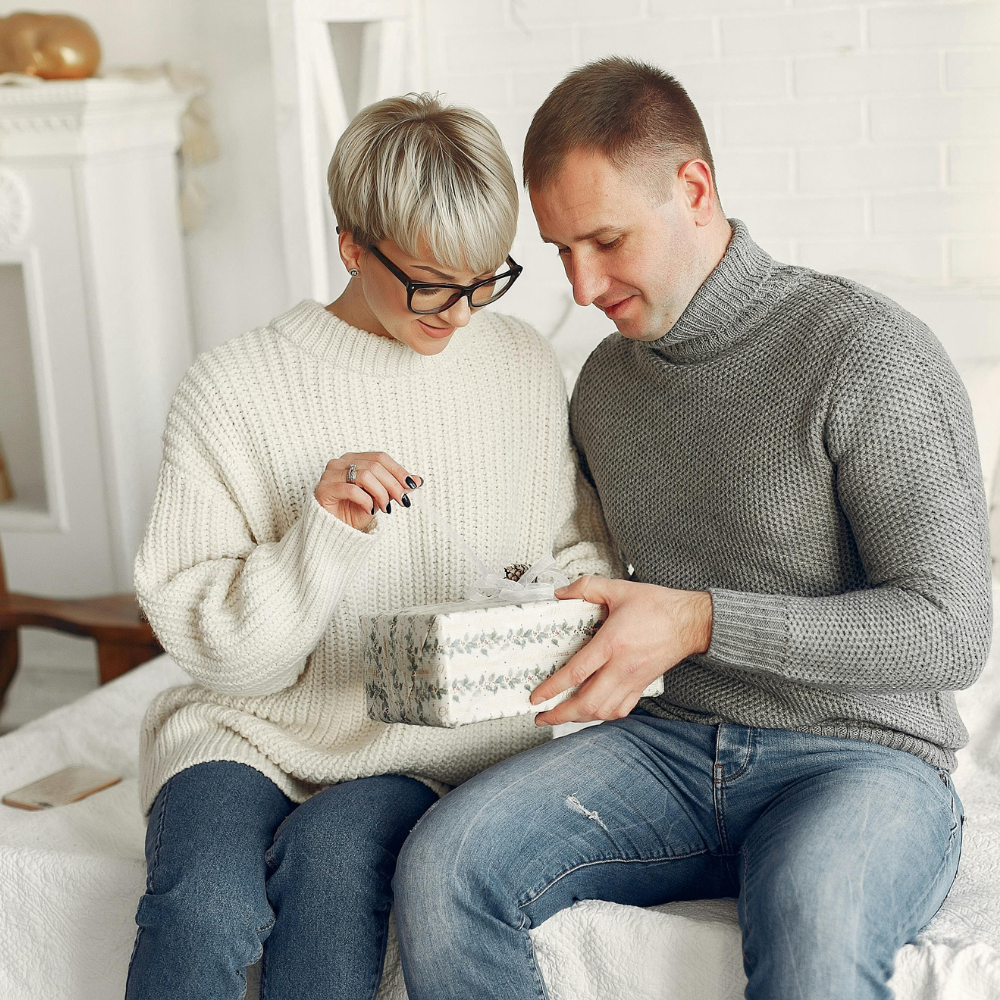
(124, 637)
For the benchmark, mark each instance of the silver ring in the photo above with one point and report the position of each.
(352, 474)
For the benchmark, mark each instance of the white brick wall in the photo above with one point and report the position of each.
(856, 137)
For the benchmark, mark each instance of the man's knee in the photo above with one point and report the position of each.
(458, 860)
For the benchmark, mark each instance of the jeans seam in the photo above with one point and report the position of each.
(539, 979)
(380, 964)
(719, 801)
(931, 882)
(161, 822)
(152, 868)
(605, 861)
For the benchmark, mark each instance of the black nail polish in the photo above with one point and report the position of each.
(411, 483)
(388, 507)
(406, 500)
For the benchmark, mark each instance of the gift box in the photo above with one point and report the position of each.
(452, 664)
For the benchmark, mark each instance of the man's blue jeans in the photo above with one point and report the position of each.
(839, 852)
(236, 870)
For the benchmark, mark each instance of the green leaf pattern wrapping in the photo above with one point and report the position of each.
(456, 664)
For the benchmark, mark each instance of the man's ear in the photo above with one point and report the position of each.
(697, 188)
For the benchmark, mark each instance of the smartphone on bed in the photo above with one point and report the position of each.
(68, 785)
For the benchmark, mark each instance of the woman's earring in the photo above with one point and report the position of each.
(353, 272)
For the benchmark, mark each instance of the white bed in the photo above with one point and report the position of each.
(70, 878)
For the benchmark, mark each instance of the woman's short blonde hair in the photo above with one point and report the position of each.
(410, 166)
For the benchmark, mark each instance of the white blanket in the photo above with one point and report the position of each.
(70, 879)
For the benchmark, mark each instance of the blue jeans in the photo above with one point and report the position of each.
(839, 852)
(237, 871)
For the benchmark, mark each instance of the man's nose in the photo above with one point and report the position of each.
(588, 279)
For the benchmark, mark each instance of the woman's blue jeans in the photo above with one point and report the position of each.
(237, 871)
(839, 852)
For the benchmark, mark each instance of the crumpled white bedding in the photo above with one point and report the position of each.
(70, 879)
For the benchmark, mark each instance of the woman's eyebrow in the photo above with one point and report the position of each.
(434, 271)
(446, 277)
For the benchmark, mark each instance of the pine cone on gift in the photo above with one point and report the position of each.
(516, 571)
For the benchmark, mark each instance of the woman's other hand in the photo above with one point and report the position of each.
(378, 481)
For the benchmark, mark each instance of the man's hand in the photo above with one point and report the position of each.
(648, 630)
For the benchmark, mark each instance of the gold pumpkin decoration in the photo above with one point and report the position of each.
(51, 46)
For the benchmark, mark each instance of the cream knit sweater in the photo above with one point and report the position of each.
(256, 590)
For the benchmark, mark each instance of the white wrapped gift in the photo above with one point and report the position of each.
(452, 664)
(478, 659)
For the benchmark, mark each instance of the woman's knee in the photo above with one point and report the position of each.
(341, 845)
(199, 917)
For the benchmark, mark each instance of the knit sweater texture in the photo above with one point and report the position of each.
(256, 590)
(803, 449)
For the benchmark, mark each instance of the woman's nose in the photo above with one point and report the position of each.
(459, 314)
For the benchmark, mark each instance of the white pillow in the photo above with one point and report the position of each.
(982, 382)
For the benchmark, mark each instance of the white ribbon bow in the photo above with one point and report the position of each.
(494, 586)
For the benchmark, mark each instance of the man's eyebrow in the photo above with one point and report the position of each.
(592, 235)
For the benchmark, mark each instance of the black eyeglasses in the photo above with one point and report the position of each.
(425, 298)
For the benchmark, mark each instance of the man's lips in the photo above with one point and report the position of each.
(437, 332)
(615, 308)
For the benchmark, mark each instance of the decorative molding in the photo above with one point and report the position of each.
(88, 117)
(15, 207)
(16, 516)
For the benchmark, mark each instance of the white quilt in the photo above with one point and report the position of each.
(70, 879)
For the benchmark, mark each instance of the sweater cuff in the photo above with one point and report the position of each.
(330, 548)
(749, 631)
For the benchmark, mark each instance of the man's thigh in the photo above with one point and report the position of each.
(606, 813)
(841, 870)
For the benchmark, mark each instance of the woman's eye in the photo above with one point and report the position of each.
(563, 251)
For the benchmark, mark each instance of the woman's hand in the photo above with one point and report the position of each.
(379, 480)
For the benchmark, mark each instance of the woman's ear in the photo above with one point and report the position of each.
(350, 252)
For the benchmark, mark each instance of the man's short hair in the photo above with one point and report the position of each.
(630, 111)
(410, 166)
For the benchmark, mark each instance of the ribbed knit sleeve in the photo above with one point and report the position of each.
(900, 436)
(240, 615)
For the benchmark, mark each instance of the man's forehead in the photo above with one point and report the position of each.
(588, 198)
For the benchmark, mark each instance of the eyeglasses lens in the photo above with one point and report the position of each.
(436, 298)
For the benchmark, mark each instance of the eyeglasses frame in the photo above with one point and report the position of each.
(465, 291)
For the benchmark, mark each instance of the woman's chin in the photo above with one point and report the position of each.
(427, 343)
(429, 348)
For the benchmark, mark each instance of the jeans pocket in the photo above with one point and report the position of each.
(957, 812)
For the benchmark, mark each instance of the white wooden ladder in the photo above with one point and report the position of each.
(330, 58)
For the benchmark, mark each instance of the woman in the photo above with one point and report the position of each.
(276, 806)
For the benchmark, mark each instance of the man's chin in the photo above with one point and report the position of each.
(635, 329)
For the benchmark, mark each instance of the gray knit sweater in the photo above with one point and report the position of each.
(802, 448)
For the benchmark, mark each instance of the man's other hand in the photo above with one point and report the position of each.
(649, 629)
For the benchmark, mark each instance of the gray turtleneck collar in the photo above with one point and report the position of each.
(721, 311)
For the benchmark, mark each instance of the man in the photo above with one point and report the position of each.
(787, 461)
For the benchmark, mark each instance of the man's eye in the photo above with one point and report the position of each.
(612, 244)
(563, 251)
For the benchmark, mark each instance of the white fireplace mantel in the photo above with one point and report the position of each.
(91, 240)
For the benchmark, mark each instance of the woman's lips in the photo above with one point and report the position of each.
(437, 332)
